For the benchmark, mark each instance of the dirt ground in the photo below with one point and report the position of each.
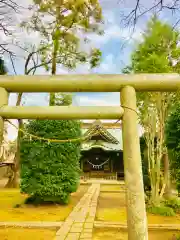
(112, 207)
(27, 234)
(107, 234)
(9, 198)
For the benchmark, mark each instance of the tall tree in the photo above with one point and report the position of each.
(60, 24)
(158, 53)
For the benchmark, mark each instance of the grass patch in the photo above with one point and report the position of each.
(161, 210)
(173, 203)
(13, 209)
(112, 207)
(113, 214)
(26, 233)
(110, 188)
(107, 234)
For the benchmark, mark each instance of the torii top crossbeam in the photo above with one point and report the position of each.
(91, 83)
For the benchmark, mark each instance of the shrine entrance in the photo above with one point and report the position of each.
(126, 85)
(99, 163)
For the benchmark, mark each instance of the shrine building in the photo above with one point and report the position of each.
(102, 151)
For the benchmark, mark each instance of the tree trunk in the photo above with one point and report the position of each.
(13, 181)
(154, 190)
(53, 70)
(167, 180)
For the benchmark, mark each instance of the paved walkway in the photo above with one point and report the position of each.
(79, 224)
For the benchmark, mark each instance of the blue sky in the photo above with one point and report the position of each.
(114, 58)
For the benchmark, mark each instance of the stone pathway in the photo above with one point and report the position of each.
(80, 222)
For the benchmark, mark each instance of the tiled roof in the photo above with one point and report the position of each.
(112, 138)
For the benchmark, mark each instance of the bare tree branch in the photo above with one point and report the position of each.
(8, 11)
(140, 10)
(12, 62)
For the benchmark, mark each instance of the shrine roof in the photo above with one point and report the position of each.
(111, 137)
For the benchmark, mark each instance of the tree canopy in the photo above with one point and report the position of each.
(158, 52)
(63, 25)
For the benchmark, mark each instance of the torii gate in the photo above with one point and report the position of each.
(127, 85)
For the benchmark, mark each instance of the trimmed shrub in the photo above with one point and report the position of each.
(173, 203)
(50, 171)
(161, 210)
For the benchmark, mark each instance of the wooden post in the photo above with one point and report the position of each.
(3, 101)
(82, 164)
(112, 162)
(136, 211)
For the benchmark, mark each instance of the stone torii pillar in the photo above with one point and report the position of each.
(3, 101)
(136, 210)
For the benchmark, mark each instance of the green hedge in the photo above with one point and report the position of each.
(50, 171)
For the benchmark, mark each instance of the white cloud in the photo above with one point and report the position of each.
(11, 131)
(105, 99)
(109, 65)
(115, 32)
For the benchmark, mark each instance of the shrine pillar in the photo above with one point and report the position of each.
(3, 102)
(135, 199)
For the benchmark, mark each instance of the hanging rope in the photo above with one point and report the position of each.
(101, 145)
(80, 139)
(32, 136)
(134, 110)
(97, 166)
